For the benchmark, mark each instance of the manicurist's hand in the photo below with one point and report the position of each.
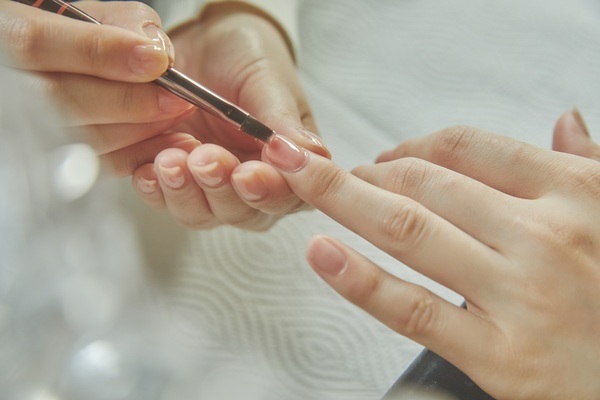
(97, 76)
(241, 55)
(511, 227)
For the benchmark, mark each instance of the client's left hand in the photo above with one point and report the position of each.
(511, 227)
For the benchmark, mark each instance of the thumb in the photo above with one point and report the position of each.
(571, 135)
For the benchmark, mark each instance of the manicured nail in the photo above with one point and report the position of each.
(146, 186)
(172, 176)
(325, 256)
(313, 138)
(250, 186)
(161, 40)
(211, 175)
(308, 139)
(147, 59)
(170, 104)
(285, 155)
(580, 122)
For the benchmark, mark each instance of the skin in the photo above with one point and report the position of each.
(223, 179)
(511, 227)
(99, 78)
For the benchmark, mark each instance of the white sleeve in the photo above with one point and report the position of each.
(283, 13)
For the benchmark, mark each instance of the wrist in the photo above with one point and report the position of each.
(237, 14)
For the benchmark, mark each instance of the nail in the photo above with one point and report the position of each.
(172, 176)
(285, 155)
(325, 256)
(168, 103)
(580, 122)
(211, 175)
(147, 59)
(146, 186)
(312, 140)
(250, 186)
(160, 38)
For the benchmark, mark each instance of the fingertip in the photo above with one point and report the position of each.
(262, 187)
(171, 168)
(571, 134)
(147, 62)
(284, 154)
(306, 139)
(250, 185)
(153, 31)
(146, 185)
(326, 256)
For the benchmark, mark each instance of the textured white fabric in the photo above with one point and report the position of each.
(376, 72)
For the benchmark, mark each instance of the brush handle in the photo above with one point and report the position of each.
(60, 7)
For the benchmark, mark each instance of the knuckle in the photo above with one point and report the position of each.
(404, 226)
(407, 176)
(327, 184)
(364, 293)
(558, 238)
(26, 39)
(94, 47)
(420, 313)
(586, 180)
(452, 142)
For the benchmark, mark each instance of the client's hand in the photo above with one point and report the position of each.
(511, 227)
(95, 74)
(242, 56)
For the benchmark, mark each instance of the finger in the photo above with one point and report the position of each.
(571, 135)
(124, 161)
(146, 185)
(482, 212)
(184, 199)
(262, 187)
(42, 41)
(107, 138)
(450, 331)
(398, 225)
(262, 78)
(87, 100)
(517, 167)
(211, 167)
(283, 107)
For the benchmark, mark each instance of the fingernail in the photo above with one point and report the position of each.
(168, 103)
(326, 256)
(160, 38)
(311, 139)
(250, 186)
(285, 155)
(580, 122)
(210, 175)
(147, 59)
(146, 186)
(172, 176)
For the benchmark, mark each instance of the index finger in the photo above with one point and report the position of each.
(38, 40)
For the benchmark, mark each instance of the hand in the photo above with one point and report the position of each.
(96, 74)
(243, 57)
(511, 227)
